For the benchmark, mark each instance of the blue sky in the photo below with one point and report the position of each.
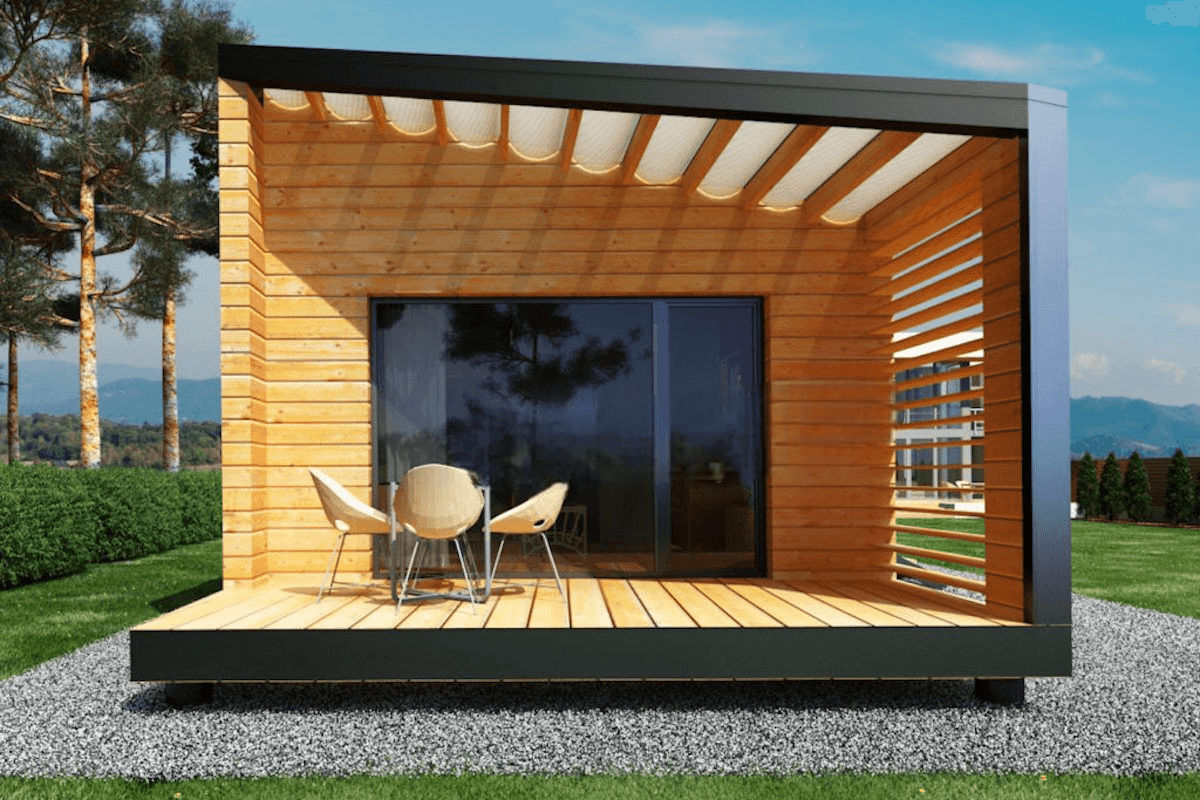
(1131, 71)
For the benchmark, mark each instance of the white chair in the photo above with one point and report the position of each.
(437, 502)
(535, 515)
(348, 515)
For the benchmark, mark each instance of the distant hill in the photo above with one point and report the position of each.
(1100, 425)
(127, 393)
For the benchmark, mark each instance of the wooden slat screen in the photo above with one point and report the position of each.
(954, 301)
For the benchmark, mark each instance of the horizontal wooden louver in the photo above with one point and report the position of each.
(936, 308)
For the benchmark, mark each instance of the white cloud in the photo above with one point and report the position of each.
(1087, 365)
(1185, 313)
(1175, 12)
(1161, 191)
(1063, 64)
(1170, 369)
(714, 43)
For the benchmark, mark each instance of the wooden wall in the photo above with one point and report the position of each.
(354, 210)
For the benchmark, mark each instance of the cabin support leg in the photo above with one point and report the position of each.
(189, 694)
(1006, 691)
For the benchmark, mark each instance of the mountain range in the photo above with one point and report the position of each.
(134, 395)
(128, 393)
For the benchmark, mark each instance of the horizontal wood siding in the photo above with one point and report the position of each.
(245, 560)
(352, 212)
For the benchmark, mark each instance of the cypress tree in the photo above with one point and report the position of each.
(1135, 489)
(1181, 493)
(1111, 501)
(1087, 488)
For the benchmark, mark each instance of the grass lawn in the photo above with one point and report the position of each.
(39, 621)
(1145, 566)
(827, 787)
(1156, 568)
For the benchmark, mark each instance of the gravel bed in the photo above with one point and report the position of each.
(1132, 707)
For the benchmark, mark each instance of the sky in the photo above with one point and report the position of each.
(1131, 72)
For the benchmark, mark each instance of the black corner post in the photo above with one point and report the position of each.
(181, 695)
(1004, 691)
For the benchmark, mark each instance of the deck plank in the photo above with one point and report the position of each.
(200, 608)
(663, 609)
(466, 616)
(386, 617)
(309, 613)
(549, 608)
(354, 611)
(932, 606)
(513, 605)
(826, 613)
(861, 591)
(705, 612)
(269, 613)
(744, 612)
(624, 606)
(227, 614)
(867, 613)
(588, 609)
(783, 611)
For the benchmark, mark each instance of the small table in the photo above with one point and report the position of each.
(487, 548)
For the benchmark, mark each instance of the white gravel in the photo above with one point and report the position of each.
(1133, 706)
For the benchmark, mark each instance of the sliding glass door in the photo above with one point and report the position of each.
(649, 409)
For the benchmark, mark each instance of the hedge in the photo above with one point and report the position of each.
(54, 522)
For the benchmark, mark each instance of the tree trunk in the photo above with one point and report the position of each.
(170, 400)
(89, 401)
(14, 428)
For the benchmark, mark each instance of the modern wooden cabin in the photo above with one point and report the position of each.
(749, 289)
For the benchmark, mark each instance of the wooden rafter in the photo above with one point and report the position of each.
(502, 145)
(798, 142)
(442, 128)
(954, 176)
(714, 144)
(637, 146)
(865, 163)
(316, 101)
(378, 113)
(570, 134)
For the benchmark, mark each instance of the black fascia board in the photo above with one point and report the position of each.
(924, 104)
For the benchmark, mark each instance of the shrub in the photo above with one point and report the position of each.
(1111, 501)
(47, 528)
(1135, 489)
(1181, 494)
(200, 499)
(1087, 487)
(138, 510)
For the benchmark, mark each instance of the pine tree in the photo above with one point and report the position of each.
(1111, 500)
(1181, 493)
(1135, 489)
(1087, 488)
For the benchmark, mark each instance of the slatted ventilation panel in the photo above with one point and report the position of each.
(936, 327)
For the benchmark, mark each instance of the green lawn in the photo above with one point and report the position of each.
(42, 620)
(1156, 568)
(1145, 566)
(489, 787)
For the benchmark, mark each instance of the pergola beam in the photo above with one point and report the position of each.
(378, 113)
(714, 144)
(787, 155)
(865, 163)
(570, 134)
(316, 102)
(442, 132)
(637, 146)
(502, 144)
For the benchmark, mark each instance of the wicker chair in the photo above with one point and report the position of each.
(348, 515)
(533, 516)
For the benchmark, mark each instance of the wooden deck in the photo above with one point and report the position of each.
(592, 603)
(610, 629)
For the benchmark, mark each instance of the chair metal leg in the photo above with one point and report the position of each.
(554, 567)
(335, 558)
(404, 586)
(463, 563)
(474, 567)
(499, 550)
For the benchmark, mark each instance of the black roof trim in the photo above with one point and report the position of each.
(916, 103)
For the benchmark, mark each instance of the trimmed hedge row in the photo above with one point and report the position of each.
(54, 522)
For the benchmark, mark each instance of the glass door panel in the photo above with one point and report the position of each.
(714, 437)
